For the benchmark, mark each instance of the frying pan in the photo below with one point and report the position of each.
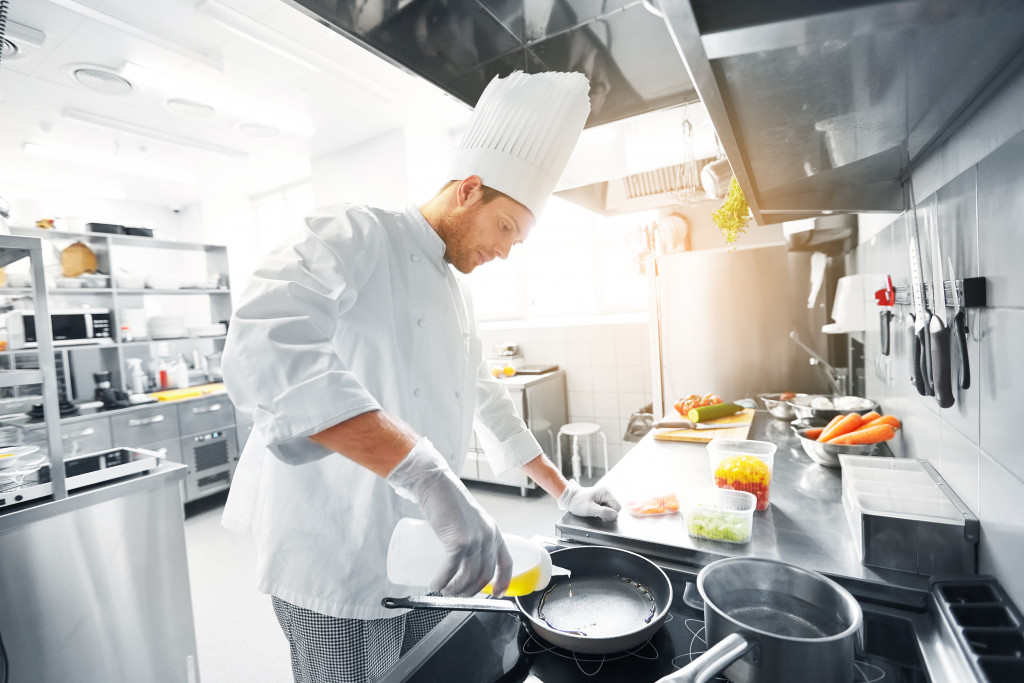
(768, 621)
(613, 601)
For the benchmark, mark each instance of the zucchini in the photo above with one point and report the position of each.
(706, 413)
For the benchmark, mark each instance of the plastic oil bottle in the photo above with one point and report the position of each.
(415, 555)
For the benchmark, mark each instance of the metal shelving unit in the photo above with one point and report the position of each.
(113, 251)
(12, 249)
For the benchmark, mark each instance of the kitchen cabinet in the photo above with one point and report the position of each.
(823, 109)
(540, 400)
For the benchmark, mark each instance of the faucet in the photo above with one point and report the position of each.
(836, 378)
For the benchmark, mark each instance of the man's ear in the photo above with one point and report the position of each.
(469, 190)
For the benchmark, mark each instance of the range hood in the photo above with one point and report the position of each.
(829, 107)
(622, 46)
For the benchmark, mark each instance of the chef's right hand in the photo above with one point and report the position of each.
(476, 550)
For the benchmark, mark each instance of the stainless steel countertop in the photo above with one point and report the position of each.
(804, 525)
(164, 474)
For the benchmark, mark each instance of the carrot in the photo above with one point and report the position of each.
(847, 424)
(884, 420)
(832, 423)
(813, 433)
(882, 432)
(868, 417)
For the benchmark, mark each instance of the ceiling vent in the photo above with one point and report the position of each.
(19, 40)
(100, 79)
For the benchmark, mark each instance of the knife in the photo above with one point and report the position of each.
(963, 364)
(686, 424)
(938, 330)
(920, 358)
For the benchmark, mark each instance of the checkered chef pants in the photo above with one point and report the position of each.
(326, 649)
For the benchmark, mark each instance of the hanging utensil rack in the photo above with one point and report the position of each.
(972, 290)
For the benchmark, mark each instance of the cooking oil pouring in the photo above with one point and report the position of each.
(415, 555)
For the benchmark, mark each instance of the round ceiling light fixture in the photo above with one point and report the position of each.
(199, 110)
(258, 130)
(99, 79)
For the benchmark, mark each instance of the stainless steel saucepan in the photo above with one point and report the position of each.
(614, 600)
(767, 621)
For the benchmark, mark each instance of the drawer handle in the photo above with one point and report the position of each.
(215, 407)
(88, 431)
(145, 421)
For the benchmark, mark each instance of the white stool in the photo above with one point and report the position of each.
(576, 430)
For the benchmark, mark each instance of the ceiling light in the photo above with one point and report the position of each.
(201, 60)
(112, 163)
(199, 110)
(252, 30)
(271, 39)
(223, 102)
(120, 126)
(257, 130)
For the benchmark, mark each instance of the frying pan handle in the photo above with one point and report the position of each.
(709, 664)
(458, 604)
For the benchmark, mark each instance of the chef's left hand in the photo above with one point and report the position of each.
(591, 501)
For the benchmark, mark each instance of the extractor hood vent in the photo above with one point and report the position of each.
(644, 191)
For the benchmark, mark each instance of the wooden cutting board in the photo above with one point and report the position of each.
(741, 419)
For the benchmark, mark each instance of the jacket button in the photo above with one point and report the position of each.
(458, 394)
(414, 257)
(422, 322)
(416, 392)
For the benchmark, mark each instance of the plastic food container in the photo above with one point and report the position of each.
(653, 506)
(743, 465)
(719, 515)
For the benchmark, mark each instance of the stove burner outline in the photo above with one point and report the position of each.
(866, 673)
(581, 659)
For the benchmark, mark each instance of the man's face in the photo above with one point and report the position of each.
(476, 232)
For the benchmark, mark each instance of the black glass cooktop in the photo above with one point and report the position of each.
(496, 647)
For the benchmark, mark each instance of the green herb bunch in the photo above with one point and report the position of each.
(732, 217)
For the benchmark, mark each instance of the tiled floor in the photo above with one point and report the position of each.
(237, 635)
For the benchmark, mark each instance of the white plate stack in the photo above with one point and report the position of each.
(167, 327)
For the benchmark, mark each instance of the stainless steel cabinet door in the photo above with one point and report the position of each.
(204, 414)
(148, 425)
(79, 437)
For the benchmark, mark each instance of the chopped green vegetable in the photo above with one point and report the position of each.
(732, 217)
(717, 526)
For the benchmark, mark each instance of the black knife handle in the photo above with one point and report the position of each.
(941, 368)
(963, 362)
(916, 376)
(922, 363)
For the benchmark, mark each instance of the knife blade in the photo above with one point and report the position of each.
(963, 363)
(937, 327)
(686, 424)
(920, 358)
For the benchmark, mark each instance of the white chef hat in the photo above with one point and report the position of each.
(522, 132)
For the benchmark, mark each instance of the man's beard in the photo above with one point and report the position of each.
(455, 228)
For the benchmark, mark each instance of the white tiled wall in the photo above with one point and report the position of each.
(607, 369)
(975, 444)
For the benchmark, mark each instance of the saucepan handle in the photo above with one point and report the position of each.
(712, 662)
(458, 604)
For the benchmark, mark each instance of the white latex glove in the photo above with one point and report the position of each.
(469, 535)
(592, 501)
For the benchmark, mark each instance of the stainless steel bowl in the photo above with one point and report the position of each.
(828, 454)
(777, 407)
(802, 407)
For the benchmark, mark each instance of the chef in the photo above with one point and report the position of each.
(355, 351)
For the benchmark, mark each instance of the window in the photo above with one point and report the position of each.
(575, 262)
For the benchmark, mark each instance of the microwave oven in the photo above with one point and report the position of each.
(70, 326)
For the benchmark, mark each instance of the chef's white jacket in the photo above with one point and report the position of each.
(361, 313)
